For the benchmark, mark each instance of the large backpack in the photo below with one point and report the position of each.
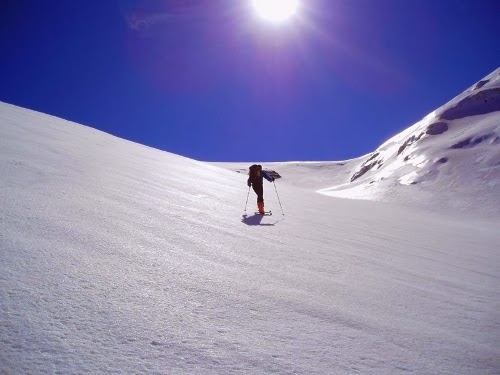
(254, 172)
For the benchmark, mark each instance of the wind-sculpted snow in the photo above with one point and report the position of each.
(453, 150)
(117, 258)
(476, 140)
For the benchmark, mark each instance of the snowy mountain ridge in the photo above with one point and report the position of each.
(453, 151)
(449, 160)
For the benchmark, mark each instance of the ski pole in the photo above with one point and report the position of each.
(278, 199)
(247, 199)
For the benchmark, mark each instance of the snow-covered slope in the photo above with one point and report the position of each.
(450, 160)
(118, 258)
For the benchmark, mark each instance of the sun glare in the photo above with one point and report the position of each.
(275, 10)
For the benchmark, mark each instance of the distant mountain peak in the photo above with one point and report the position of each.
(452, 155)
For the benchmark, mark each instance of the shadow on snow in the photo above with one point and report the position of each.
(255, 220)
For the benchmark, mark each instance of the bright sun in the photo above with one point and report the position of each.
(275, 10)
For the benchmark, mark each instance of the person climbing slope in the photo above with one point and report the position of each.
(255, 176)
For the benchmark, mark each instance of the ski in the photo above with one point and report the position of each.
(266, 213)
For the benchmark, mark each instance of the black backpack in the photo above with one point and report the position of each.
(254, 172)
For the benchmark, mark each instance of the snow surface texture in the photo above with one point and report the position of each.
(118, 258)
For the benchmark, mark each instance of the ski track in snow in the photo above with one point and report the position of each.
(118, 258)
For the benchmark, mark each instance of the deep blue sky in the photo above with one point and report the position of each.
(208, 80)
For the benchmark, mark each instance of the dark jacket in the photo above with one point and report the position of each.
(258, 180)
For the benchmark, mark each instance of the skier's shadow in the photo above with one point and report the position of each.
(254, 220)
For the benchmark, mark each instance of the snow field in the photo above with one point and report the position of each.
(118, 258)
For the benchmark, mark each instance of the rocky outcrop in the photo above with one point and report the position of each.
(436, 128)
(483, 102)
(366, 166)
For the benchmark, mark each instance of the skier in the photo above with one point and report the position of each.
(255, 175)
